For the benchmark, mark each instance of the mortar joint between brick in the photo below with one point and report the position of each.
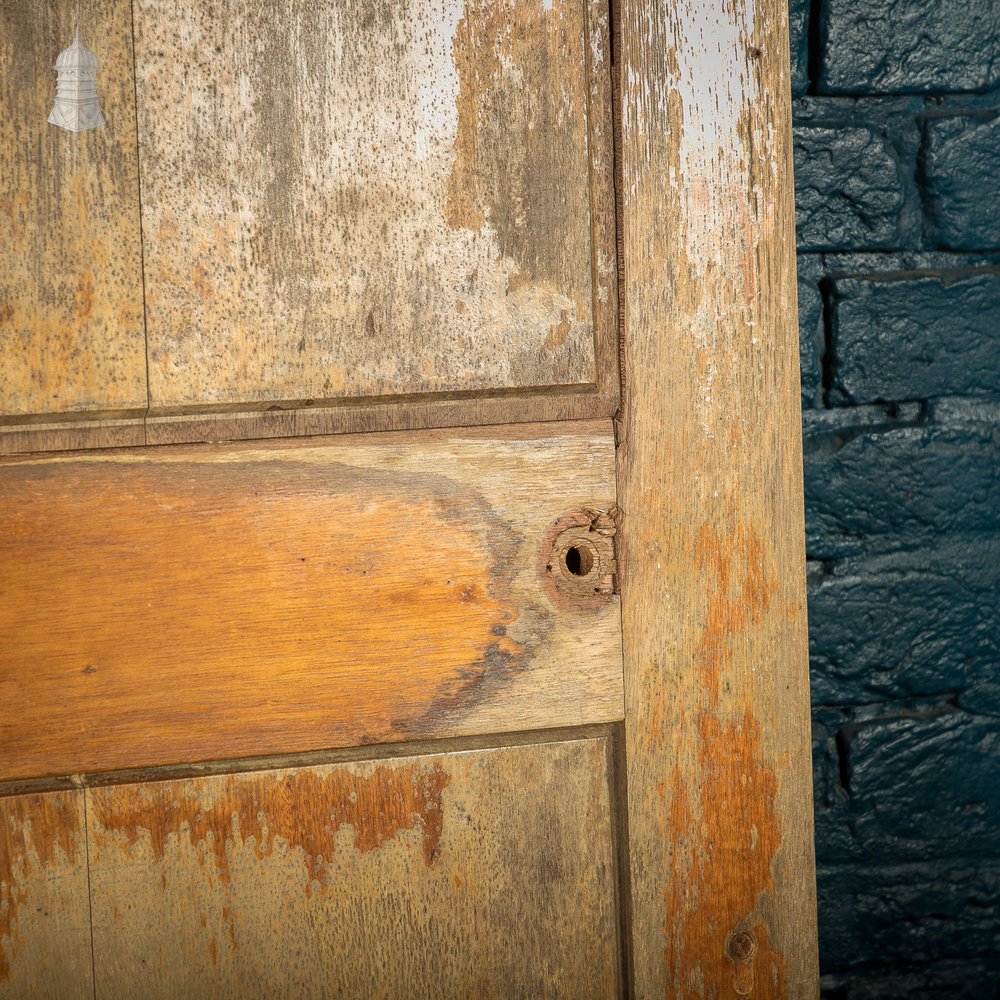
(814, 46)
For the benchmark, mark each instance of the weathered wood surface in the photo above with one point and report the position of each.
(379, 199)
(71, 435)
(188, 604)
(478, 156)
(484, 874)
(71, 308)
(412, 413)
(717, 708)
(45, 947)
(477, 408)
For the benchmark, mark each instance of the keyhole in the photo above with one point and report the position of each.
(579, 561)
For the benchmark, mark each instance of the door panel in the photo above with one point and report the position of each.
(480, 874)
(379, 217)
(203, 603)
(45, 949)
(71, 308)
(378, 199)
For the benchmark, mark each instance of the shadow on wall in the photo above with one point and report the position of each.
(897, 159)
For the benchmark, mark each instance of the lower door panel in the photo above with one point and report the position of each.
(484, 873)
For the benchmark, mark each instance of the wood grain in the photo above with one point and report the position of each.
(71, 308)
(45, 947)
(504, 406)
(717, 707)
(360, 416)
(538, 157)
(53, 435)
(175, 605)
(326, 215)
(477, 875)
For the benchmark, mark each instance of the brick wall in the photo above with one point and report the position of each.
(897, 159)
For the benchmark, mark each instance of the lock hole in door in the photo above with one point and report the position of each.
(579, 560)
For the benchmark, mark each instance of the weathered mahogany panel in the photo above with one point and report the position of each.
(717, 701)
(45, 948)
(474, 875)
(376, 199)
(184, 604)
(71, 309)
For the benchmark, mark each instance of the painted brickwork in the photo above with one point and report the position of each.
(897, 158)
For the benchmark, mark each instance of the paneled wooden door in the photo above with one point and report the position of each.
(401, 575)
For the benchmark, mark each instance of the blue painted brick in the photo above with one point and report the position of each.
(961, 164)
(855, 169)
(875, 483)
(914, 622)
(826, 723)
(917, 335)
(902, 498)
(959, 979)
(921, 785)
(811, 334)
(886, 265)
(909, 46)
(798, 36)
(848, 192)
(894, 915)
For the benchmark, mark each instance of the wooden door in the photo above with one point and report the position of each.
(401, 577)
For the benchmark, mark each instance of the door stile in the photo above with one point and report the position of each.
(710, 480)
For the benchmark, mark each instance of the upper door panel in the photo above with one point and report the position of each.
(365, 200)
(306, 217)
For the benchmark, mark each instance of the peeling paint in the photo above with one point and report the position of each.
(428, 876)
(37, 833)
(303, 808)
(723, 885)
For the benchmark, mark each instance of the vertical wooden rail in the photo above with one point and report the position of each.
(717, 708)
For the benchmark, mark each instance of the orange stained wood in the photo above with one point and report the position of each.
(306, 808)
(45, 947)
(716, 678)
(185, 604)
(481, 874)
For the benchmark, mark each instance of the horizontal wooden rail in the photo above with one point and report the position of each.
(184, 604)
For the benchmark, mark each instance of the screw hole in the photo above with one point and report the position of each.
(579, 561)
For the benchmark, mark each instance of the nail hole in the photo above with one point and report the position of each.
(579, 561)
